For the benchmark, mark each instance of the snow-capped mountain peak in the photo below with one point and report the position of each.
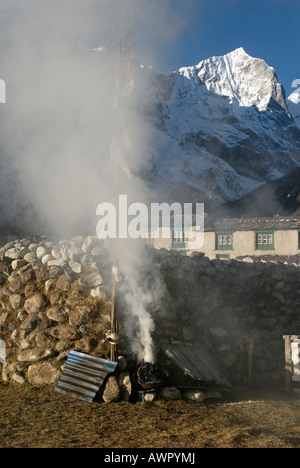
(221, 127)
(245, 80)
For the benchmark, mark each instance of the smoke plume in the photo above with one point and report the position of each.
(70, 129)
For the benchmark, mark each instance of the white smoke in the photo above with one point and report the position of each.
(69, 124)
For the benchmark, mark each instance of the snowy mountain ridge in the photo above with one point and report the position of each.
(220, 129)
(237, 76)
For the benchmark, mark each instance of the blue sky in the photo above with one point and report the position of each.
(268, 29)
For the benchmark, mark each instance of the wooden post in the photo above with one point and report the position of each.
(250, 361)
(288, 363)
(114, 348)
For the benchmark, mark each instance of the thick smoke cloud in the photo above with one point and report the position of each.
(73, 137)
(59, 60)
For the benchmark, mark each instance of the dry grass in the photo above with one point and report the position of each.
(42, 418)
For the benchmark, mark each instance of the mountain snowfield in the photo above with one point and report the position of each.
(220, 129)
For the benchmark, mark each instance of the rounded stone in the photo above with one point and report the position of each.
(43, 374)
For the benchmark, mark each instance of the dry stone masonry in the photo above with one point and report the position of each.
(53, 299)
(56, 297)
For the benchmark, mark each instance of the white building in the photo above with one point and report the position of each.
(232, 238)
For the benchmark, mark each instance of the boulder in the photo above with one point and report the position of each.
(49, 284)
(16, 301)
(125, 386)
(169, 393)
(43, 374)
(35, 354)
(42, 339)
(122, 363)
(41, 252)
(96, 329)
(149, 396)
(3, 318)
(79, 315)
(30, 322)
(57, 314)
(30, 289)
(12, 253)
(92, 280)
(84, 345)
(194, 395)
(89, 243)
(19, 337)
(75, 266)
(56, 252)
(98, 293)
(46, 258)
(63, 282)
(42, 274)
(30, 257)
(74, 253)
(27, 274)
(19, 263)
(18, 378)
(14, 283)
(112, 391)
(64, 332)
(35, 304)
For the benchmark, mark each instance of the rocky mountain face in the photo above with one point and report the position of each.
(220, 129)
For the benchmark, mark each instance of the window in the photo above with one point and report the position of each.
(180, 239)
(264, 240)
(150, 241)
(224, 240)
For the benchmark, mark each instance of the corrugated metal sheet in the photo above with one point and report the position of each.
(196, 363)
(2, 352)
(83, 375)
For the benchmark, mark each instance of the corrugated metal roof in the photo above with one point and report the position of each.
(83, 375)
(196, 363)
(251, 224)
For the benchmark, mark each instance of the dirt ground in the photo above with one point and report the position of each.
(43, 418)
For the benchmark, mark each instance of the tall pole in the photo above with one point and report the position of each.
(114, 326)
(120, 167)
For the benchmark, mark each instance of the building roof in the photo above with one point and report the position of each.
(195, 362)
(251, 224)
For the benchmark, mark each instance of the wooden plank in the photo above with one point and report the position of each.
(250, 361)
(295, 358)
(114, 349)
(288, 363)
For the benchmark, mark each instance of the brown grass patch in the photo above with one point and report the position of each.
(42, 418)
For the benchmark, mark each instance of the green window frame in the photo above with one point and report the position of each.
(264, 239)
(179, 238)
(224, 240)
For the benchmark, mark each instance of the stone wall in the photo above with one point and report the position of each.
(224, 305)
(53, 298)
(57, 297)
